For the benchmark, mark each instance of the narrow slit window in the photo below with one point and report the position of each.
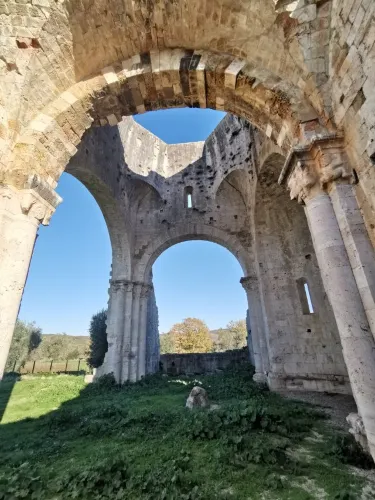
(308, 297)
(189, 201)
(189, 197)
(305, 296)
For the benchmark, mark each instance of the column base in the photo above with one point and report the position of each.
(336, 384)
(357, 430)
(260, 378)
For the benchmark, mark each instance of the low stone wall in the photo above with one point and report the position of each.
(200, 363)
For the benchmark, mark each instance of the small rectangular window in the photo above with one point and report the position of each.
(189, 201)
(188, 195)
(308, 297)
(305, 296)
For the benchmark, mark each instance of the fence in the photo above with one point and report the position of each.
(55, 366)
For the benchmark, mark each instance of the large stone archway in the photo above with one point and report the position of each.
(301, 73)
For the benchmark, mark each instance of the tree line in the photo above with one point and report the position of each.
(192, 335)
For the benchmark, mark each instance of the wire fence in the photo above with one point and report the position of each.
(55, 366)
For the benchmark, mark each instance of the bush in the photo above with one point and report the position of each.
(348, 451)
(104, 480)
(26, 338)
(21, 482)
(98, 339)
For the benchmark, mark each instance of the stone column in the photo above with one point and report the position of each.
(21, 212)
(145, 291)
(133, 371)
(251, 286)
(310, 172)
(115, 325)
(357, 243)
(127, 332)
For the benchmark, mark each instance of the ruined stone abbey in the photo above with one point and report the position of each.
(286, 182)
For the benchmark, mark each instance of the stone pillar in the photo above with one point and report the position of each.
(357, 243)
(145, 290)
(310, 172)
(21, 212)
(115, 325)
(133, 369)
(251, 286)
(127, 332)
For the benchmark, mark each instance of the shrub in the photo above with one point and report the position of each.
(26, 338)
(98, 339)
(348, 451)
(103, 480)
(21, 482)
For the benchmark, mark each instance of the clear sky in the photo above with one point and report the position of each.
(69, 273)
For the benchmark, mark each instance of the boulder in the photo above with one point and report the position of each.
(198, 398)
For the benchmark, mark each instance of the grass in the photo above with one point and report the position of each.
(61, 439)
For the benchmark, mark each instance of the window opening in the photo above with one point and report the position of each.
(189, 197)
(305, 296)
(308, 297)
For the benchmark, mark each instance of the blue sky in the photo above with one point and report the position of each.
(69, 273)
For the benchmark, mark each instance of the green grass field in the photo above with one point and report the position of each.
(61, 439)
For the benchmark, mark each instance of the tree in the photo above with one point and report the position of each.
(98, 339)
(166, 344)
(238, 330)
(192, 335)
(56, 348)
(26, 338)
(234, 336)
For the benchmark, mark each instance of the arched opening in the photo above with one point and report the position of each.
(68, 277)
(199, 280)
(303, 342)
(188, 195)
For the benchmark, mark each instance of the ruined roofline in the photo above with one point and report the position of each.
(135, 123)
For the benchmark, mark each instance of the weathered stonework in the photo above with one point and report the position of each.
(301, 72)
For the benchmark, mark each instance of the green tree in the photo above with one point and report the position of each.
(166, 344)
(192, 335)
(238, 330)
(56, 347)
(234, 336)
(98, 339)
(26, 338)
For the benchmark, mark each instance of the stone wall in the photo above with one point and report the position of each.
(304, 348)
(201, 363)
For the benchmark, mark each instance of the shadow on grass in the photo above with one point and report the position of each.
(6, 389)
(139, 441)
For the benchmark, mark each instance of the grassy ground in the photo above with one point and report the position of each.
(60, 439)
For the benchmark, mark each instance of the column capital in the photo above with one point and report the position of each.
(122, 284)
(36, 199)
(146, 289)
(313, 168)
(249, 283)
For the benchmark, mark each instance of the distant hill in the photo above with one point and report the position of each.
(61, 346)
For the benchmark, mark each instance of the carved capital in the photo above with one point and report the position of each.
(302, 180)
(146, 289)
(37, 204)
(311, 169)
(122, 284)
(249, 283)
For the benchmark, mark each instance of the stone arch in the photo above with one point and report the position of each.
(141, 189)
(304, 349)
(238, 180)
(156, 80)
(181, 233)
(77, 39)
(118, 232)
